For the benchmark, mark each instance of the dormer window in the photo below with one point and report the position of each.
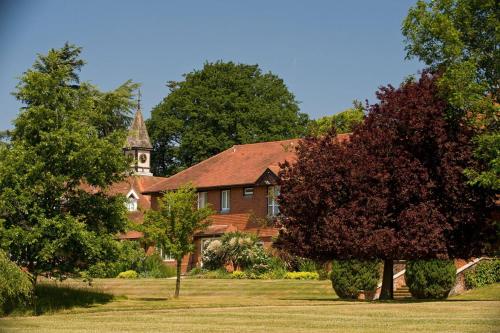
(132, 200)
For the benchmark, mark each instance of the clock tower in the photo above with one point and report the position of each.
(137, 145)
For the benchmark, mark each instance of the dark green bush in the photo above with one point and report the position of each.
(15, 285)
(154, 267)
(486, 272)
(351, 276)
(130, 256)
(430, 279)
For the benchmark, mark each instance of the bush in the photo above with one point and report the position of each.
(102, 270)
(154, 267)
(15, 286)
(351, 276)
(130, 256)
(238, 249)
(130, 274)
(428, 279)
(486, 272)
(238, 275)
(302, 276)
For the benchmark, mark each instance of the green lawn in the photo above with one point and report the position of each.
(145, 305)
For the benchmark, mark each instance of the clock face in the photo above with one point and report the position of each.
(143, 158)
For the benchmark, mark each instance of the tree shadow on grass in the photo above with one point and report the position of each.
(52, 298)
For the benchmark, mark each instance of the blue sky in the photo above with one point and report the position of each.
(327, 52)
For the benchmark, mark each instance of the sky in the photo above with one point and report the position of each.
(327, 52)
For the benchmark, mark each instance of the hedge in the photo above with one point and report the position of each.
(430, 279)
(351, 276)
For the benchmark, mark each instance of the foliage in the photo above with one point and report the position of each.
(238, 275)
(342, 122)
(173, 225)
(130, 274)
(459, 38)
(396, 189)
(64, 137)
(302, 276)
(15, 285)
(129, 255)
(430, 278)
(230, 104)
(154, 267)
(351, 276)
(486, 272)
(238, 249)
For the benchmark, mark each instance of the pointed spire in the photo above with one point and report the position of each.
(138, 134)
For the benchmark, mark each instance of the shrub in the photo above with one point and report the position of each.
(197, 271)
(430, 278)
(102, 270)
(154, 267)
(486, 272)
(351, 276)
(15, 286)
(238, 275)
(238, 249)
(130, 274)
(302, 276)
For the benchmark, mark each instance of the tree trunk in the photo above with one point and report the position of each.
(178, 281)
(34, 279)
(387, 289)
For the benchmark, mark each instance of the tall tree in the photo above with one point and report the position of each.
(173, 225)
(343, 122)
(62, 138)
(395, 190)
(219, 106)
(459, 39)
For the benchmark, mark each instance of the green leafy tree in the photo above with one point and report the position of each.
(217, 107)
(66, 135)
(459, 39)
(4, 138)
(173, 225)
(343, 122)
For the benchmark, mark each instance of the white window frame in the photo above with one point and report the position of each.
(225, 201)
(273, 207)
(164, 255)
(132, 201)
(248, 191)
(202, 199)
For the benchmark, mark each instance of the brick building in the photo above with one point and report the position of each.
(240, 184)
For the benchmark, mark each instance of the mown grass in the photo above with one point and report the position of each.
(246, 306)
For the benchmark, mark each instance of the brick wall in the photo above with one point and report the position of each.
(239, 203)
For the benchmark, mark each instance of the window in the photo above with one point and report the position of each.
(165, 256)
(272, 205)
(131, 203)
(225, 201)
(202, 199)
(248, 191)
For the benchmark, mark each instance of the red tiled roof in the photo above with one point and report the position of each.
(138, 184)
(239, 165)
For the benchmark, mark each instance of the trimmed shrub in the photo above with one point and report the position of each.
(130, 274)
(302, 276)
(15, 285)
(351, 276)
(486, 272)
(430, 279)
